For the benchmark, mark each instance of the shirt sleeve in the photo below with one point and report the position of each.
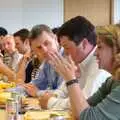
(94, 82)
(61, 91)
(58, 103)
(61, 101)
(107, 109)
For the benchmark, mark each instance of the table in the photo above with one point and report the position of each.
(32, 102)
(3, 115)
(20, 117)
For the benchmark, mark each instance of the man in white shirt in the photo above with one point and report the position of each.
(78, 38)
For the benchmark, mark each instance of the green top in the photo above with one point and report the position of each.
(105, 103)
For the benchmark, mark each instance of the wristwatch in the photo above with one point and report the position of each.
(70, 82)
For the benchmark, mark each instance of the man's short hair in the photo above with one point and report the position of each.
(78, 28)
(3, 31)
(22, 33)
(38, 30)
(55, 30)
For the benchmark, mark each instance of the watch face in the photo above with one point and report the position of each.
(70, 82)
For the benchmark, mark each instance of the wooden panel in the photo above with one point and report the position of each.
(97, 11)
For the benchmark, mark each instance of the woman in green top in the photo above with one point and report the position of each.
(105, 103)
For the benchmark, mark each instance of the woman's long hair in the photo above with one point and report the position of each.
(110, 35)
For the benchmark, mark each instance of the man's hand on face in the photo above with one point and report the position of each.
(43, 100)
(27, 46)
(31, 89)
(28, 52)
(63, 65)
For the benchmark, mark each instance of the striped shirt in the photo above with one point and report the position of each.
(12, 60)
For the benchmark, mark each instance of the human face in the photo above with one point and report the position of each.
(70, 48)
(9, 44)
(104, 55)
(43, 44)
(19, 44)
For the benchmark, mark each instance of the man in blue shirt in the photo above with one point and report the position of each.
(42, 40)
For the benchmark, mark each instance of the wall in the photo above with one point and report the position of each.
(98, 11)
(116, 11)
(16, 14)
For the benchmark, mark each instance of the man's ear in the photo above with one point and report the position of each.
(1, 37)
(84, 43)
(26, 41)
(56, 40)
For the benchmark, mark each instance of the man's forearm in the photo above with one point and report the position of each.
(78, 101)
(21, 72)
(8, 72)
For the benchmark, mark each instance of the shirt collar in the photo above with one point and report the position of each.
(88, 58)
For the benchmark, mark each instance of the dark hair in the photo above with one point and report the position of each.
(22, 33)
(78, 28)
(55, 30)
(38, 30)
(3, 31)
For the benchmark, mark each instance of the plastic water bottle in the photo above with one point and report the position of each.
(11, 109)
(18, 99)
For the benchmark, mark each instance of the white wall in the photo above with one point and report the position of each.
(116, 11)
(16, 14)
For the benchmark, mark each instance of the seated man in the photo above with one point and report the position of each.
(105, 103)
(5, 73)
(28, 69)
(42, 40)
(21, 38)
(11, 57)
(78, 38)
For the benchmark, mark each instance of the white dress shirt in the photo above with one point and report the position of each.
(91, 78)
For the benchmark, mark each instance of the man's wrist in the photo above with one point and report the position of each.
(71, 82)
